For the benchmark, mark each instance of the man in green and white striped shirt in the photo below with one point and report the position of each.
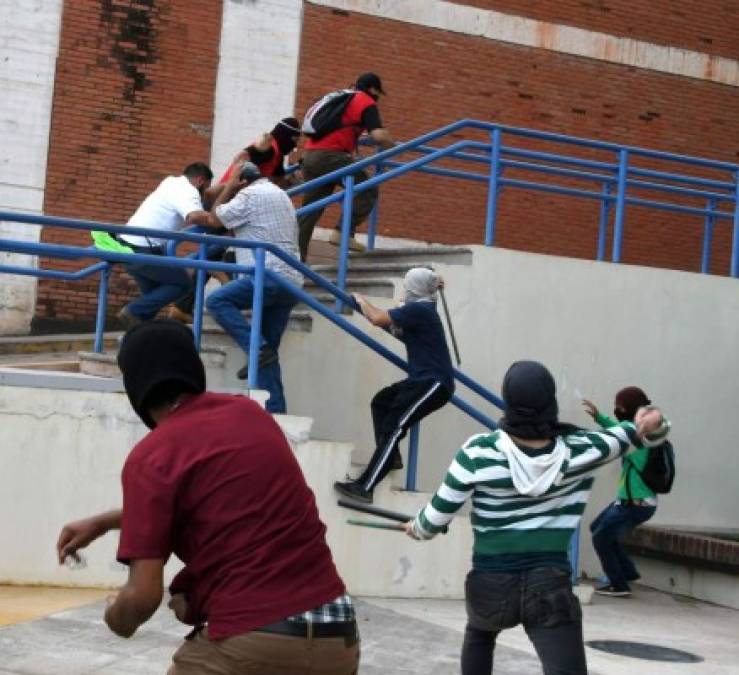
(529, 482)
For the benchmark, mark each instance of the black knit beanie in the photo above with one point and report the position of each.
(155, 352)
(284, 133)
(628, 401)
(531, 410)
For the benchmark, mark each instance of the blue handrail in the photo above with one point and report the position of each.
(201, 266)
(618, 182)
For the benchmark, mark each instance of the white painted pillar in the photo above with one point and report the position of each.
(29, 43)
(257, 72)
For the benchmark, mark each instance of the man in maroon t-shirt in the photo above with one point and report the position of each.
(336, 150)
(216, 483)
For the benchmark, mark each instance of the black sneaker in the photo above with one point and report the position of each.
(353, 490)
(613, 592)
(267, 355)
(396, 463)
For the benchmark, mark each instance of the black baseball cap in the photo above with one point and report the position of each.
(367, 80)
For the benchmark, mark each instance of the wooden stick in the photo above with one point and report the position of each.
(451, 329)
(379, 526)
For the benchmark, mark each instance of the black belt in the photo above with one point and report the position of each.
(308, 629)
(151, 250)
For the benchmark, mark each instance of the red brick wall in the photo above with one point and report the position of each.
(133, 102)
(435, 77)
(709, 26)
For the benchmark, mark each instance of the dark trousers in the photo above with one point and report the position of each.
(542, 600)
(317, 163)
(227, 304)
(213, 253)
(609, 530)
(159, 286)
(395, 409)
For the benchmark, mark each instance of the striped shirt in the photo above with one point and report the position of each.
(506, 521)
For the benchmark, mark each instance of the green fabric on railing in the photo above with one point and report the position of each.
(105, 242)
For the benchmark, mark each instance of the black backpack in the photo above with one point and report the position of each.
(324, 116)
(658, 473)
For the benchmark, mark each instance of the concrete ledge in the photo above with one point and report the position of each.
(37, 379)
(704, 550)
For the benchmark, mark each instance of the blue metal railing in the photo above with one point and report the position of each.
(201, 266)
(619, 182)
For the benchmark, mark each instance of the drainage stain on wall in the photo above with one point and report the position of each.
(132, 29)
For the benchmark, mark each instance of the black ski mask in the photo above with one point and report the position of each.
(531, 410)
(155, 352)
(284, 133)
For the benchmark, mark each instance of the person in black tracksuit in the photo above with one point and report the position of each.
(430, 381)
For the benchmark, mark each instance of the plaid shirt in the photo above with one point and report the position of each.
(337, 611)
(263, 212)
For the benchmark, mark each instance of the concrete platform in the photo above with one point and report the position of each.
(399, 637)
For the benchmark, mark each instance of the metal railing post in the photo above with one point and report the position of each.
(256, 319)
(574, 555)
(735, 240)
(102, 309)
(605, 212)
(410, 477)
(372, 221)
(618, 222)
(346, 224)
(493, 188)
(197, 312)
(708, 237)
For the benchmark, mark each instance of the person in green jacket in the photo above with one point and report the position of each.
(635, 502)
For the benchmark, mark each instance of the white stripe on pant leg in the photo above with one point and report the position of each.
(396, 433)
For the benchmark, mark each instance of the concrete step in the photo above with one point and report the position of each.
(301, 320)
(371, 286)
(49, 344)
(370, 270)
(106, 364)
(328, 300)
(418, 255)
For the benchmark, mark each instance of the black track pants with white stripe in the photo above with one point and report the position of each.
(395, 409)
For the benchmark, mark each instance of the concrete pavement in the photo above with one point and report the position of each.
(399, 637)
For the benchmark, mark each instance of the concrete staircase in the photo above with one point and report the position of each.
(375, 274)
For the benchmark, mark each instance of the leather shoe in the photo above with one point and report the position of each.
(177, 314)
(267, 355)
(335, 239)
(127, 319)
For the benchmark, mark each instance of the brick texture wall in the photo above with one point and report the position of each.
(133, 103)
(435, 77)
(709, 26)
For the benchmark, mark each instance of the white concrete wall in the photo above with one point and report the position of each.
(257, 72)
(61, 452)
(29, 41)
(708, 585)
(598, 327)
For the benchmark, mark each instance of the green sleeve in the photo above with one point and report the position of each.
(605, 421)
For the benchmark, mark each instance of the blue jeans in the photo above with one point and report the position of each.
(226, 305)
(609, 530)
(159, 286)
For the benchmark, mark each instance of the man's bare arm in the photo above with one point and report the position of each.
(382, 137)
(375, 315)
(138, 599)
(81, 533)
